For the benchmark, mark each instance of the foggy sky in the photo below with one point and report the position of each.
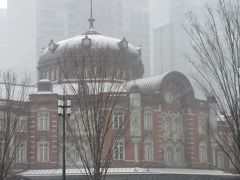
(3, 3)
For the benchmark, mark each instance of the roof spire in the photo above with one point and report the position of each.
(91, 20)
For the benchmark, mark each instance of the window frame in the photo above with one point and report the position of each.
(179, 156)
(21, 154)
(2, 121)
(168, 126)
(179, 126)
(119, 150)
(41, 154)
(148, 119)
(220, 160)
(169, 150)
(148, 150)
(2, 148)
(203, 152)
(118, 120)
(43, 121)
(22, 124)
(202, 122)
(231, 165)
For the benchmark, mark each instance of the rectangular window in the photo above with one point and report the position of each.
(168, 155)
(220, 160)
(47, 75)
(147, 120)
(86, 72)
(43, 153)
(203, 153)
(2, 121)
(57, 74)
(2, 148)
(119, 150)
(52, 74)
(220, 138)
(148, 151)
(22, 124)
(202, 124)
(43, 121)
(232, 161)
(118, 119)
(21, 153)
(230, 139)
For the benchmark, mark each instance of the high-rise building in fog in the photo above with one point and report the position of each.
(170, 45)
(3, 31)
(129, 18)
(32, 23)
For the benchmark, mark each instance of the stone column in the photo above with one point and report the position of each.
(135, 119)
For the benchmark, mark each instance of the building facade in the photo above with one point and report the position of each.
(171, 130)
(167, 123)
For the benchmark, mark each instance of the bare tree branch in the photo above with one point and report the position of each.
(13, 97)
(215, 42)
(96, 79)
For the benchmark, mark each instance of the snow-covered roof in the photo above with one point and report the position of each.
(98, 41)
(154, 84)
(93, 88)
(116, 171)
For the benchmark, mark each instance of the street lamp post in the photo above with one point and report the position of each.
(64, 108)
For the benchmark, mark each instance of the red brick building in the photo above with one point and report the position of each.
(171, 121)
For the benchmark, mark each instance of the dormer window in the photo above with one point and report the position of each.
(86, 41)
(52, 46)
(123, 44)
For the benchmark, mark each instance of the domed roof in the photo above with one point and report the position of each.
(97, 41)
(173, 80)
(93, 47)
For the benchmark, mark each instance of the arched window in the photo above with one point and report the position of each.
(202, 152)
(43, 120)
(169, 156)
(179, 126)
(43, 150)
(220, 160)
(148, 150)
